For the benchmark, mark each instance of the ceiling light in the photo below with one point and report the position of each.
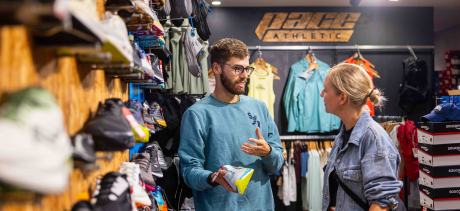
(216, 3)
(394, 0)
(355, 3)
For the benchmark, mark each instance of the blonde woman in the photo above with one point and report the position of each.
(363, 157)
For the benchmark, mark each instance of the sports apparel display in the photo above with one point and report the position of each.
(415, 88)
(261, 87)
(110, 129)
(35, 141)
(238, 177)
(305, 109)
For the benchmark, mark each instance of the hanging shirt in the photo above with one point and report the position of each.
(261, 87)
(367, 66)
(304, 106)
(314, 188)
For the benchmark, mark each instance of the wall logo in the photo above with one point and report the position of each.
(424, 148)
(453, 126)
(426, 191)
(307, 26)
(453, 148)
(425, 127)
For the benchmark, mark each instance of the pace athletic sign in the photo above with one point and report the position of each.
(307, 26)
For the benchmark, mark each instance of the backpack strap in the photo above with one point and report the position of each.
(350, 193)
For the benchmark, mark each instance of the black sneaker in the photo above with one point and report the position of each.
(112, 193)
(83, 148)
(161, 157)
(143, 159)
(154, 163)
(82, 206)
(148, 120)
(110, 129)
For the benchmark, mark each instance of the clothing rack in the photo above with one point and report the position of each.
(307, 137)
(341, 47)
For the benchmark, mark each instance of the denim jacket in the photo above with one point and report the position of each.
(368, 165)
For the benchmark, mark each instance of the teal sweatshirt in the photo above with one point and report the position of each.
(212, 133)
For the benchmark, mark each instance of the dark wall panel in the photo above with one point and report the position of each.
(376, 26)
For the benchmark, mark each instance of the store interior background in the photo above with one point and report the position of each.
(382, 22)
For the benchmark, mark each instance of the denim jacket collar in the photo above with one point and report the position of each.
(358, 130)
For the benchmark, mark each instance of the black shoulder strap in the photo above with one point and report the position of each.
(350, 193)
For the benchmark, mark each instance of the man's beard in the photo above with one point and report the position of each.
(231, 86)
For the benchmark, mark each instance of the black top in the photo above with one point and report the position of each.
(333, 185)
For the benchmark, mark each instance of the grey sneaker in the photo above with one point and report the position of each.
(143, 159)
(161, 157)
(155, 165)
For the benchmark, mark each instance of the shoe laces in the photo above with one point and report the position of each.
(131, 173)
(106, 185)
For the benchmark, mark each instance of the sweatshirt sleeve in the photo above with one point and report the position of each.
(274, 160)
(191, 152)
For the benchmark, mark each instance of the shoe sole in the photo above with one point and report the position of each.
(157, 174)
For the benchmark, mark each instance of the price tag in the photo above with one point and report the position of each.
(415, 152)
(196, 45)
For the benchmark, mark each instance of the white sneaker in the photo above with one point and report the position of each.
(117, 39)
(238, 177)
(139, 195)
(35, 152)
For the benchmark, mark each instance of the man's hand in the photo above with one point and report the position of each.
(221, 180)
(260, 148)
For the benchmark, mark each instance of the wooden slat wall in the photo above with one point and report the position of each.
(78, 90)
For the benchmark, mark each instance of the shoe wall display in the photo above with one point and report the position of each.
(112, 193)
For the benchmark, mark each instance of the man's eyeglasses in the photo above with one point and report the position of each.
(239, 69)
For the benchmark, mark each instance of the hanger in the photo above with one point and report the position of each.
(210, 73)
(411, 52)
(260, 63)
(312, 60)
(275, 77)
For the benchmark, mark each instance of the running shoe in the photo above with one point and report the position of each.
(136, 108)
(35, 152)
(110, 129)
(154, 161)
(132, 170)
(157, 113)
(143, 159)
(83, 148)
(112, 193)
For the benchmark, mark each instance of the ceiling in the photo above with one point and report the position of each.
(446, 12)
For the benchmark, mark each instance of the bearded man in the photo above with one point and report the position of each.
(228, 128)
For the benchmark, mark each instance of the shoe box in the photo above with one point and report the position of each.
(440, 198)
(439, 158)
(440, 176)
(439, 143)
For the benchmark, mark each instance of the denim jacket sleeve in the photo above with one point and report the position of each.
(379, 166)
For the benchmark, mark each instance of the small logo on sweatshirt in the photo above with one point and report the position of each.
(254, 119)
